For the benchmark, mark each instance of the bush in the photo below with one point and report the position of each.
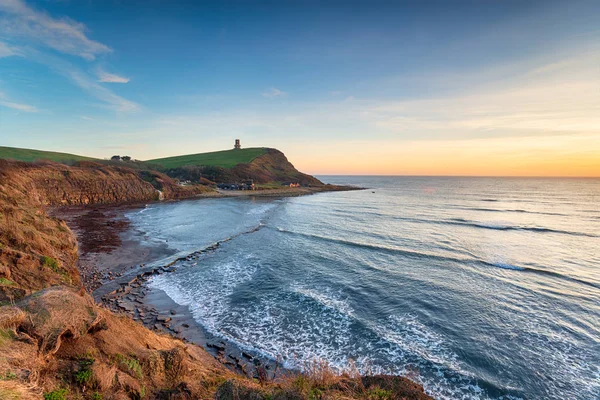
(83, 377)
(59, 394)
(96, 396)
(6, 282)
(9, 376)
(50, 263)
(376, 393)
(131, 365)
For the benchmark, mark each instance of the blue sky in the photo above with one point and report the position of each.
(420, 87)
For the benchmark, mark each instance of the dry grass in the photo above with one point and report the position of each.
(11, 317)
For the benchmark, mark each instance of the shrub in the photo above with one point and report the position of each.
(6, 282)
(9, 376)
(59, 394)
(50, 263)
(96, 396)
(83, 377)
(376, 393)
(130, 364)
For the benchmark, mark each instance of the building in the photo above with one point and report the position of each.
(237, 145)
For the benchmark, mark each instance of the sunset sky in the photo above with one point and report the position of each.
(421, 88)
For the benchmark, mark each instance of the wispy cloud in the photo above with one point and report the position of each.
(20, 107)
(106, 77)
(63, 35)
(85, 81)
(7, 51)
(273, 92)
(5, 102)
(40, 31)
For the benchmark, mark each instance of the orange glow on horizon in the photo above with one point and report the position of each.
(560, 156)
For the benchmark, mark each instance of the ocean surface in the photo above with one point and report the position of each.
(478, 288)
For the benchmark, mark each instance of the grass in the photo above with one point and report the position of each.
(50, 263)
(6, 282)
(8, 376)
(6, 335)
(59, 394)
(29, 155)
(224, 158)
(7, 394)
(131, 365)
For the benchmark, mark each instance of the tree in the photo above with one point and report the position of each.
(126, 158)
(116, 158)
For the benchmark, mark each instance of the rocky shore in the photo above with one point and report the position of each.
(115, 268)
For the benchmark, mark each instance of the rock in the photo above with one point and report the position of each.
(218, 346)
(173, 312)
(163, 318)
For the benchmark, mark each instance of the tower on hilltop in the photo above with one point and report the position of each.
(237, 145)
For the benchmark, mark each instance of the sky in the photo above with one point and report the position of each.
(487, 87)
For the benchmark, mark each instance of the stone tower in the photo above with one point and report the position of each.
(237, 145)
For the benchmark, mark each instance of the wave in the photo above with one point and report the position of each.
(518, 210)
(407, 253)
(464, 222)
(540, 271)
(422, 255)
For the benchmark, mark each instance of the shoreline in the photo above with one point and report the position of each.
(115, 267)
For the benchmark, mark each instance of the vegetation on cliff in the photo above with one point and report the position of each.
(29, 155)
(222, 159)
(268, 167)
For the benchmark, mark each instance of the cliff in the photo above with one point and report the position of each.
(266, 166)
(56, 344)
(36, 250)
(273, 166)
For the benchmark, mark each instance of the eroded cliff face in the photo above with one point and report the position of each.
(90, 183)
(37, 250)
(273, 166)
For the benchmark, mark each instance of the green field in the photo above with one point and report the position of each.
(225, 158)
(14, 153)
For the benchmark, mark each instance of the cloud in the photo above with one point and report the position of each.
(16, 106)
(104, 76)
(83, 80)
(20, 107)
(63, 35)
(7, 51)
(274, 92)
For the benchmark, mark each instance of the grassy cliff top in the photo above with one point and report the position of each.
(29, 155)
(224, 158)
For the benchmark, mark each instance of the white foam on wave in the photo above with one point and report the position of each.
(304, 323)
(325, 297)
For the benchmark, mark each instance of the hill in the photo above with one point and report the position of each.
(223, 159)
(29, 155)
(262, 165)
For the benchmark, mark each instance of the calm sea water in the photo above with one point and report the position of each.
(479, 288)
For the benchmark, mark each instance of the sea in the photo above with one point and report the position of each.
(477, 288)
